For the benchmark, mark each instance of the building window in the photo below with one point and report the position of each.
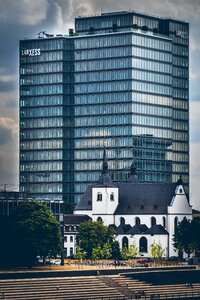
(65, 252)
(122, 221)
(112, 197)
(137, 221)
(153, 221)
(71, 238)
(65, 238)
(125, 242)
(99, 219)
(71, 251)
(175, 224)
(99, 197)
(164, 222)
(143, 244)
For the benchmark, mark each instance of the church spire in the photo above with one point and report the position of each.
(180, 181)
(105, 179)
(105, 162)
(133, 178)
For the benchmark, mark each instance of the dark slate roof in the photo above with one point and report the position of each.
(122, 229)
(145, 198)
(156, 229)
(105, 180)
(75, 219)
(136, 198)
(112, 226)
(138, 229)
(86, 200)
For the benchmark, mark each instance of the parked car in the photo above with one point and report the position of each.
(57, 262)
(143, 260)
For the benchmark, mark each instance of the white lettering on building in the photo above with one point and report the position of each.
(31, 52)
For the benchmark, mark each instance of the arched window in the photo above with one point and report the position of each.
(153, 221)
(122, 221)
(112, 197)
(99, 219)
(175, 224)
(125, 242)
(137, 221)
(99, 197)
(164, 221)
(143, 244)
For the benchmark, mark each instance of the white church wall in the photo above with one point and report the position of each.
(104, 200)
(172, 219)
(179, 209)
(158, 239)
(83, 212)
(144, 219)
(106, 219)
(179, 203)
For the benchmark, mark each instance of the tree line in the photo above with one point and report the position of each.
(187, 237)
(29, 231)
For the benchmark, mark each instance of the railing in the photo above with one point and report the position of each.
(121, 288)
(140, 295)
(129, 294)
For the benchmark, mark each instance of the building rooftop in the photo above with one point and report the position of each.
(133, 12)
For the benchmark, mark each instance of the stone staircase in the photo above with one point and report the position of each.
(93, 287)
(143, 290)
(57, 288)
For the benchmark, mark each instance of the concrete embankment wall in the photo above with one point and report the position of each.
(147, 274)
(168, 276)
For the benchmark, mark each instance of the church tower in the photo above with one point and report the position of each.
(105, 195)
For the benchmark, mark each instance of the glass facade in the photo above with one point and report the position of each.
(46, 118)
(120, 80)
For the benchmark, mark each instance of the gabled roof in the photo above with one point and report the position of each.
(136, 198)
(123, 229)
(86, 200)
(113, 227)
(144, 198)
(156, 229)
(75, 219)
(138, 229)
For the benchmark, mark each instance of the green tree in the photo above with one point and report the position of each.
(195, 228)
(130, 252)
(34, 231)
(133, 250)
(6, 247)
(106, 251)
(184, 237)
(157, 251)
(124, 253)
(116, 250)
(96, 252)
(93, 234)
(80, 254)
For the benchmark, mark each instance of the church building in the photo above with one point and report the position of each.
(143, 213)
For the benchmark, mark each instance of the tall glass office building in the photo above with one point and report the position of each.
(120, 79)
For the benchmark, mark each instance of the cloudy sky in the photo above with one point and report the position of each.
(25, 18)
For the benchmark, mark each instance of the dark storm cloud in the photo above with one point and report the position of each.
(26, 18)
